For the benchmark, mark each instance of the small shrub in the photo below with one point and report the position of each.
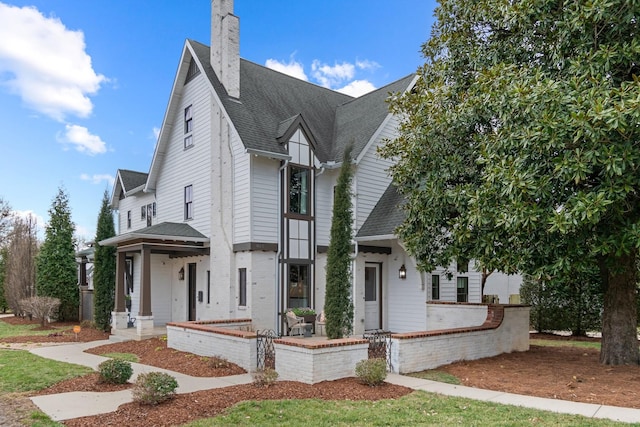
(115, 371)
(265, 377)
(217, 362)
(371, 371)
(154, 387)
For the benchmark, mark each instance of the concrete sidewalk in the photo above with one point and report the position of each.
(78, 404)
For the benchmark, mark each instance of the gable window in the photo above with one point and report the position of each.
(143, 211)
(188, 127)
(154, 209)
(149, 214)
(435, 287)
(463, 289)
(188, 202)
(299, 190)
(242, 286)
(128, 219)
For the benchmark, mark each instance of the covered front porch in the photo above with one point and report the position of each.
(146, 249)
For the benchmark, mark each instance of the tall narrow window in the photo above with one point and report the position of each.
(242, 285)
(435, 287)
(188, 127)
(299, 190)
(208, 286)
(188, 202)
(299, 287)
(128, 219)
(149, 214)
(463, 289)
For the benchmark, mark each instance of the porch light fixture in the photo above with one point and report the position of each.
(402, 273)
(181, 274)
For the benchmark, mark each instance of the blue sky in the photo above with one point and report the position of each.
(84, 84)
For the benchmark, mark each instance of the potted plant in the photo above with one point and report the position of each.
(307, 313)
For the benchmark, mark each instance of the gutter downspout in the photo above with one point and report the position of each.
(279, 252)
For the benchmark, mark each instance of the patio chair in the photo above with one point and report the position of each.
(321, 321)
(295, 323)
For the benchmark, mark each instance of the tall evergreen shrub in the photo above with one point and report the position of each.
(104, 267)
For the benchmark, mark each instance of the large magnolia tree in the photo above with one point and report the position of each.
(520, 147)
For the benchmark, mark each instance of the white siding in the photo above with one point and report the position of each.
(161, 289)
(241, 193)
(182, 167)
(133, 203)
(371, 177)
(264, 200)
(324, 205)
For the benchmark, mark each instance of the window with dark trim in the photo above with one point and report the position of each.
(128, 219)
(149, 214)
(154, 209)
(188, 127)
(188, 202)
(208, 286)
(143, 212)
(463, 289)
(242, 286)
(299, 286)
(299, 184)
(128, 275)
(435, 287)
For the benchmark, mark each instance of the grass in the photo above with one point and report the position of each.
(435, 375)
(21, 371)
(564, 343)
(127, 357)
(417, 408)
(7, 330)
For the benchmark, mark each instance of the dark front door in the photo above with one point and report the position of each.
(192, 290)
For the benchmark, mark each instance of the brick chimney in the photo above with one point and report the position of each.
(225, 45)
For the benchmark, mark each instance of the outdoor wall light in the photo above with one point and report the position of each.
(181, 274)
(402, 273)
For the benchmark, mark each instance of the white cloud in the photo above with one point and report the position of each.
(357, 88)
(82, 140)
(331, 76)
(40, 222)
(83, 233)
(98, 178)
(367, 65)
(45, 63)
(292, 68)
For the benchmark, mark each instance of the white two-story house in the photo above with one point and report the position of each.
(232, 219)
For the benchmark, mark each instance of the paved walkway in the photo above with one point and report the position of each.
(77, 404)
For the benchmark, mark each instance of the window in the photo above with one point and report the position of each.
(128, 219)
(435, 287)
(299, 190)
(143, 211)
(154, 209)
(188, 127)
(299, 287)
(463, 289)
(208, 287)
(188, 202)
(149, 214)
(242, 285)
(128, 276)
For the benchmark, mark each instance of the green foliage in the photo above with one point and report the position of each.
(436, 375)
(56, 266)
(562, 306)
(154, 387)
(371, 372)
(115, 371)
(299, 311)
(128, 357)
(104, 268)
(265, 377)
(338, 306)
(518, 147)
(22, 371)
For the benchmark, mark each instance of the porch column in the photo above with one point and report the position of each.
(145, 282)
(120, 269)
(83, 271)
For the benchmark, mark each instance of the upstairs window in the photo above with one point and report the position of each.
(463, 289)
(242, 285)
(188, 127)
(128, 219)
(299, 190)
(435, 287)
(188, 202)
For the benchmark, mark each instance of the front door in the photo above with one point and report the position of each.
(372, 297)
(192, 291)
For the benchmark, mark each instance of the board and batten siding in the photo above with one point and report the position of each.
(161, 294)
(264, 200)
(182, 167)
(241, 191)
(324, 205)
(371, 176)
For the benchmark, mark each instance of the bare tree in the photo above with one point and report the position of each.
(22, 249)
(41, 308)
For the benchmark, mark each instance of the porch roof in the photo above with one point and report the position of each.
(385, 217)
(165, 231)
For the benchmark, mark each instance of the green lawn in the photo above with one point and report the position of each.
(564, 343)
(7, 330)
(416, 409)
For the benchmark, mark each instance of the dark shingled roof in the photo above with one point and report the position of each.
(270, 101)
(386, 216)
(171, 229)
(132, 179)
